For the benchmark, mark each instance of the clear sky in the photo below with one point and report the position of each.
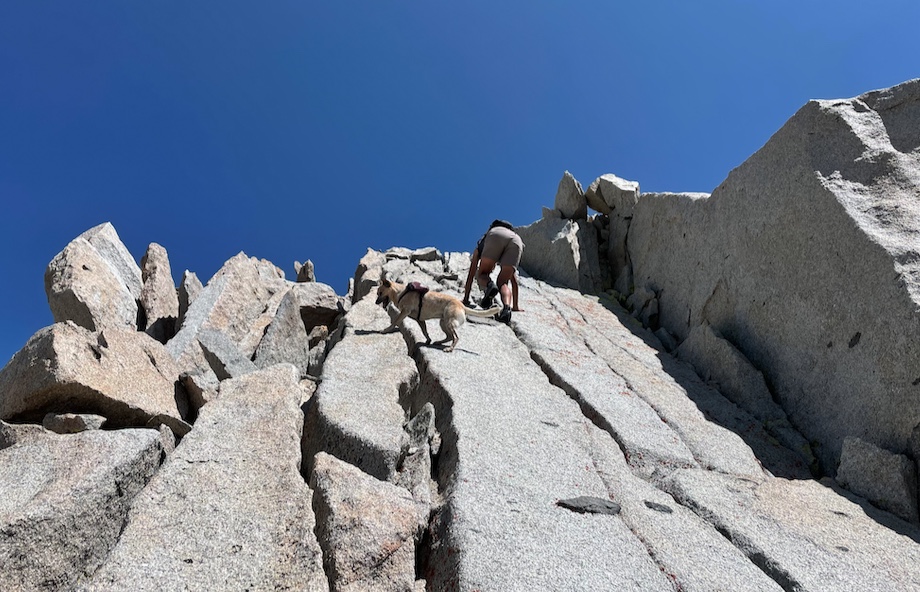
(295, 130)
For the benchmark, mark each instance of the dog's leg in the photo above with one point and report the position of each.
(424, 332)
(446, 328)
(450, 324)
(396, 321)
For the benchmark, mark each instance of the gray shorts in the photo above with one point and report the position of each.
(502, 245)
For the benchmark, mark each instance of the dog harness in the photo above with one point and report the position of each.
(421, 291)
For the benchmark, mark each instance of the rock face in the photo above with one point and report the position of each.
(159, 298)
(125, 376)
(564, 450)
(187, 291)
(570, 198)
(239, 300)
(888, 480)
(106, 242)
(616, 198)
(305, 307)
(793, 258)
(562, 251)
(64, 500)
(84, 288)
(369, 528)
(229, 509)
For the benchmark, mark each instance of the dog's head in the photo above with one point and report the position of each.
(386, 293)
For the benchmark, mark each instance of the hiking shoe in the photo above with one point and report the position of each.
(505, 315)
(489, 298)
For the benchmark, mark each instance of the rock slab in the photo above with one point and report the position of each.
(64, 500)
(229, 509)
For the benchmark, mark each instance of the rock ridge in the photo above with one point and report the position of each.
(639, 426)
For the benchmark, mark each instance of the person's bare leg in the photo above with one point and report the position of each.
(504, 286)
(486, 266)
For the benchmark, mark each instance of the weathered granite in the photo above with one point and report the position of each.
(686, 548)
(238, 301)
(229, 509)
(886, 479)
(425, 254)
(605, 397)
(82, 287)
(64, 500)
(159, 299)
(356, 413)
(795, 255)
(562, 252)
(125, 376)
(367, 528)
(200, 386)
(187, 291)
(305, 271)
(223, 355)
(512, 446)
(613, 196)
(368, 274)
(720, 363)
(108, 244)
(616, 198)
(570, 198)
(72, 423)
(720, 435)
(804, 534)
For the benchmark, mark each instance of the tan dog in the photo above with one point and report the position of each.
(434, 305)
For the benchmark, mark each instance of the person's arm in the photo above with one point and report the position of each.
(514, 293)
(474, 265)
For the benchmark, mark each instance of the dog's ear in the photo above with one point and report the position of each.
(385, 283)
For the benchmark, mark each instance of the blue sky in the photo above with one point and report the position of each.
(295, 130)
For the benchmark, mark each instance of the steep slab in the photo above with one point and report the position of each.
(229, 509)
(720, 435)
(806, 259)
(693, 554)
(513, 446)
(64, 500)
(806, 535)
(557, 345)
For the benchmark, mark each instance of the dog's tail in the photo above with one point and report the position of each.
(482, 313)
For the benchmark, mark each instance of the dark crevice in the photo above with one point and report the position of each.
(754, 554)
(411, 397)
(587, 410)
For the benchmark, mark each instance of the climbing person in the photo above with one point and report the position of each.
(501, 245)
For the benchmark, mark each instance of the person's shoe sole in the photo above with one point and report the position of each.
(489, 298)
